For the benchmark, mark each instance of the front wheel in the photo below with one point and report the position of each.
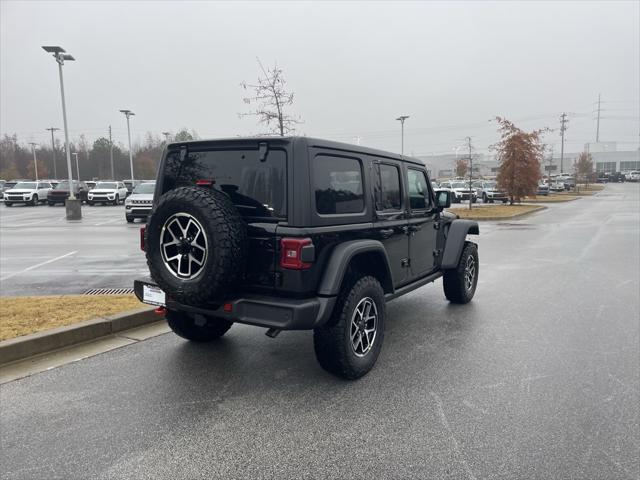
(349, 344)
(117, 200)
(129, 219)
(460, 283)
(34, 200)
(196, 327)
(8, 204)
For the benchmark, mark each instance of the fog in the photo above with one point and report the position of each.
(354, 68)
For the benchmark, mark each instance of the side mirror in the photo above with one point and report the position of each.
(443, 199)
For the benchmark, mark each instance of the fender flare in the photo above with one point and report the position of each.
(456, 236)
(339, 262)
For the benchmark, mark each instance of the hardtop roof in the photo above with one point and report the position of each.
(309, 141)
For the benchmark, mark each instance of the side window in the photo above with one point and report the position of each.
(338, 185)
(388, 196)
(419, 197)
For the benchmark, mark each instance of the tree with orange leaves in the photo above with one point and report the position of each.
(461, 167)
(519, 154)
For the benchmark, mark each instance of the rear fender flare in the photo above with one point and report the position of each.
(341, 258)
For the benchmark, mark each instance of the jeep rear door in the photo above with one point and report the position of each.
(390, 225)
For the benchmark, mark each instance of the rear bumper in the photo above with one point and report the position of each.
(260, 310)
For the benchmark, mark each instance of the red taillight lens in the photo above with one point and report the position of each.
(205, 183)
(142, 229)
(291, 253)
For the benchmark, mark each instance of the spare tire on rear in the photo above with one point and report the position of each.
(195, 243)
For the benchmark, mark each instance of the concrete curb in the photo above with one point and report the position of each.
(26, 346)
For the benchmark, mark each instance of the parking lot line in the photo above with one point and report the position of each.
(38, 265)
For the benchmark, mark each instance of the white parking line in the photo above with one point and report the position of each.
(108, 221)
(38, 265)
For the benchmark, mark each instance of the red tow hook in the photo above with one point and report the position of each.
(160, 310)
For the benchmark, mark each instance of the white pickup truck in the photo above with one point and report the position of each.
(29, 193)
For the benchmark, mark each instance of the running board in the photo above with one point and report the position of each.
(413, 286)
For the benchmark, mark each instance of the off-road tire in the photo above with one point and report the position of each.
(197, 328)
(332, 342)
(226, 236)
(455, 287)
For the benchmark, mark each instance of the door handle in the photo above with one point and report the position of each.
(386, 232)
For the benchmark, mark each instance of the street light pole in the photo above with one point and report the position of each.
(35, 160)
(53, 151)
(73, 206)
(402, 118)
(127, 114)
(75, 154)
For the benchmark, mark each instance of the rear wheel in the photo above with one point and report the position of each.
(196, 327)
(349, 345)
(460, 283)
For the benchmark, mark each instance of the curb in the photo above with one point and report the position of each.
(28, 345)
(519, 215)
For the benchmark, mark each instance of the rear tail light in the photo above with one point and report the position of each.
(142, 245)
(292, 253)
(205, 183)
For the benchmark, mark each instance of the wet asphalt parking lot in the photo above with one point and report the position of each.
(41, 253)
(538, 377)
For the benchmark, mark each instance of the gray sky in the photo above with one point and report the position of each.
(354, 67)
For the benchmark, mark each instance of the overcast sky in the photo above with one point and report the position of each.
(354, 67)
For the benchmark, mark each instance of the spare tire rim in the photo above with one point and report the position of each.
(470, 272)
(183, 245)
(364, 322)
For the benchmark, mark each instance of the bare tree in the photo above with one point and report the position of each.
(461, 167)
(270, 99)
(584, 167)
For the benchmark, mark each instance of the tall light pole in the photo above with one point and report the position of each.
(73, 206)
(128, 113)
(402, 118)
(75, 154)
(35, 160)
(53, 151)
(113, 175)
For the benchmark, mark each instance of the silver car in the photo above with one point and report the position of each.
(138, 204)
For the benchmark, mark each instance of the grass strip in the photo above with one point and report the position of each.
(24, 315)
(496, 212)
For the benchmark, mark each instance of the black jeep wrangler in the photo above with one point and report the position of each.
(296, 233)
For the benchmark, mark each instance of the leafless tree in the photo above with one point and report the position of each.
(270, 99)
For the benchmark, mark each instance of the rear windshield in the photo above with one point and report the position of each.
(257, 188)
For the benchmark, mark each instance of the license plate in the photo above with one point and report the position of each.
(153, 295)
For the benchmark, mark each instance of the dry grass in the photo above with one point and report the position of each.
(551, 198)
(495, 212)
(23, 315)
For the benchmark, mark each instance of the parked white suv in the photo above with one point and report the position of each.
(633, 176)
(138, 204)
(29, 193)
(107, 192)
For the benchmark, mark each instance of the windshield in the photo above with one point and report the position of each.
(145, 188)
(459, 185)
(64, 185)
(26, 185)
(489, 184)
(106, 185)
